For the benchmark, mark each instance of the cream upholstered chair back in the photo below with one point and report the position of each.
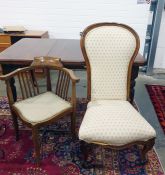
(109, 50)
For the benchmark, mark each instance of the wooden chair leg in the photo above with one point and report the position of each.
(15, 122)
(35, 137)
(73, 124)
(86, 149)
(148, 146)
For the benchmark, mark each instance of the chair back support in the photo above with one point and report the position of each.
(63, 80)
(56, 79)
(109, 50)
(28, 83)
(62, 85)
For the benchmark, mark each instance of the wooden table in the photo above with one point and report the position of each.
(23, 52)
(7, 39)
(15, 36)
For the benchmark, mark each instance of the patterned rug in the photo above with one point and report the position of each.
(157, 96)
(61, 154)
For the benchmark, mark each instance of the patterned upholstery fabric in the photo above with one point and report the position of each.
(110, 119)
(42, 107)
(109, 50)
(114, 122)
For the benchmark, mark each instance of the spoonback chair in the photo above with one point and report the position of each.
(38, 107)
(109, 50)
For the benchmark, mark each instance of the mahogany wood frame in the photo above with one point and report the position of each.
(29, 88)
(147, 145)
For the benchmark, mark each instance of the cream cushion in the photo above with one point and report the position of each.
(114, 122)
(41, 107)
(109, 50)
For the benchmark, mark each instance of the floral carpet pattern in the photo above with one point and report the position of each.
(61, 155)
(157, 96)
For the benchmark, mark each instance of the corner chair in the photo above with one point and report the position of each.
(37, 107)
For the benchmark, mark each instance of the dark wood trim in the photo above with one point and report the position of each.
(147, 145)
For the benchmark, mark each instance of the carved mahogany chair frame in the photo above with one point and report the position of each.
(29, 87)
(147, 145)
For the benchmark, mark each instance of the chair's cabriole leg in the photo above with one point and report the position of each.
(148, 146)
(35, 137)
(84, 150)
(73, 124)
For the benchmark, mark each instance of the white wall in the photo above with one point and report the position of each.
(160, 52)
(66, 18)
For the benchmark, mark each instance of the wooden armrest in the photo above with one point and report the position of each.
(12, 74)
(47, 62)
(73, 77)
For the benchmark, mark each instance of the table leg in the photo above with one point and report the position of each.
(7, 68)
(134, 75)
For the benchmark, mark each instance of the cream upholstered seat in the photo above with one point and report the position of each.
(114, 122)
(109, 50)
(41, 108)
